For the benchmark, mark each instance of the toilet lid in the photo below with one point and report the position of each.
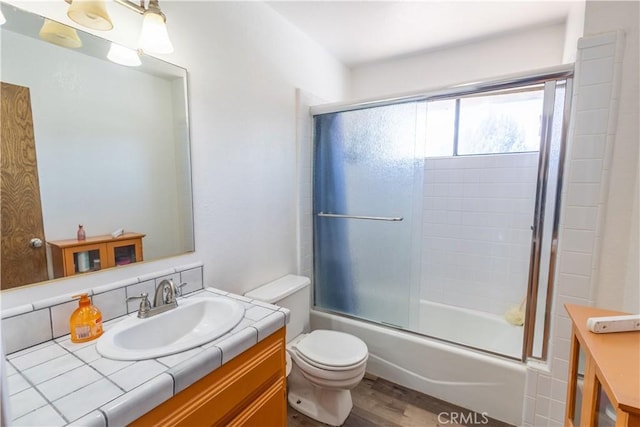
(332, 348)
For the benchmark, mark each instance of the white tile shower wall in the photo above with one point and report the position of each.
(591, 138)
(478, 213)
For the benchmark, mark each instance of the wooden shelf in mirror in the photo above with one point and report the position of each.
(104, 251)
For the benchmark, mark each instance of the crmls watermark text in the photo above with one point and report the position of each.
(467, 418)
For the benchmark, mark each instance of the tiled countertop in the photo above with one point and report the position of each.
(62, 383)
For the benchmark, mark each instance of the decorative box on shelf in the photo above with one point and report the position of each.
(72, 256)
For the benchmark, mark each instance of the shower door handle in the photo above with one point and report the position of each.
(370, 218)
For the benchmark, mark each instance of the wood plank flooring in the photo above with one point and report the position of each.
(381, 403)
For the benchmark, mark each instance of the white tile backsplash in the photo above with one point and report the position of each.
(17, 337)
(112, 303)
(137, 289)
(60, 315)
(193, 280)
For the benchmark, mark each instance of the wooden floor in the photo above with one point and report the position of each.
(377, 402)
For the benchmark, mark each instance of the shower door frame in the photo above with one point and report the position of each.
(544, 76)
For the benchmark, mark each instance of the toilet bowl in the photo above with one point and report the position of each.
(326, 365)
(323, 366)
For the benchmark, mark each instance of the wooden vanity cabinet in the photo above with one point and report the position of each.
(249, 390)
(604, 374)
(110, 252)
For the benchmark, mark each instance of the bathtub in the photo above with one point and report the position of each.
(474, 380)
(472, 328)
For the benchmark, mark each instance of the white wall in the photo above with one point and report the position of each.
(478, 213)
(513, 53)
(244, 63)
(574, 29)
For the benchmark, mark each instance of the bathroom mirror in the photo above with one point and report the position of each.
(111, 141)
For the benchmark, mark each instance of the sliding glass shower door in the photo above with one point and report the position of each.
(439, 213)
(367, 188)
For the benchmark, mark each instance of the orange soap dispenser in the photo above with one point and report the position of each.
(86, 321)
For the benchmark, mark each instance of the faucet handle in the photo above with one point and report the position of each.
(145, 305)
(179, 288)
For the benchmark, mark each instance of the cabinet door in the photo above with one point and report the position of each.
(268, 410)
(122, 252)
(76, 261)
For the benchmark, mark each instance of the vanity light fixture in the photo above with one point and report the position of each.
(123, 55)
(154, 37)
(90, 14)
(60, 34)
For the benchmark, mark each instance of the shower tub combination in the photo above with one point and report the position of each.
(402, 196)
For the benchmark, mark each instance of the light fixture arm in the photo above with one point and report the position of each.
(139, 8)
(154, 6)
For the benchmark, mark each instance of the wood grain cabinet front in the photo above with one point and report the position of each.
(98, 252)
(249, 390)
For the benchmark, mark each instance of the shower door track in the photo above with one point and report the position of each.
(539, 76)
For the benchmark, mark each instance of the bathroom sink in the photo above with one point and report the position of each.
(196, 321)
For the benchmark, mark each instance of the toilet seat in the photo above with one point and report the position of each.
(331, 350)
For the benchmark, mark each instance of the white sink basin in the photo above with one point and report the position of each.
(196, 321)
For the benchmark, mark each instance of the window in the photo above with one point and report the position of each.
(490, 123)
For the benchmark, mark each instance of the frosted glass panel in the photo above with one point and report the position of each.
(365, 166)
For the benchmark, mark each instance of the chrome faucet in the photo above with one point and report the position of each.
(164, 299)
(165, 294)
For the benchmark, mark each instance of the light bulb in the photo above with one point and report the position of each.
(123, 55)
(154, 37)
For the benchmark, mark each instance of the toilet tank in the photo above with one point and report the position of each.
(292, 292)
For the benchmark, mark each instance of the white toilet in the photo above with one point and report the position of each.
(324, 365)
